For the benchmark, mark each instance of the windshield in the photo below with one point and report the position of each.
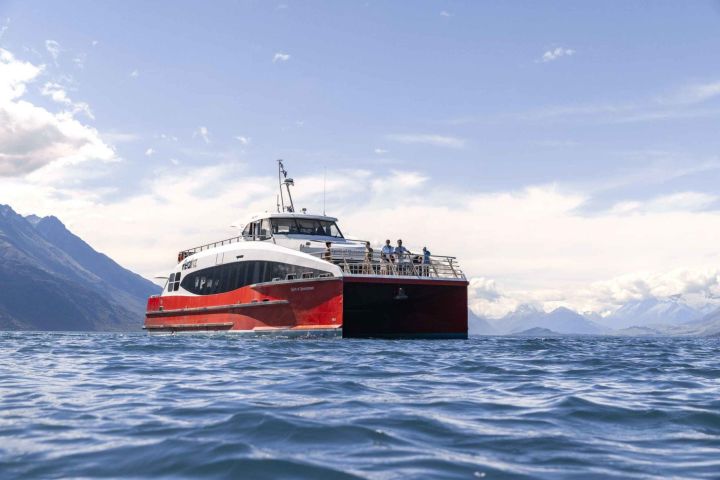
(306, 226)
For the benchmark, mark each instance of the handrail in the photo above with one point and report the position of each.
(189, 251)
(354, 261)
(413, 265)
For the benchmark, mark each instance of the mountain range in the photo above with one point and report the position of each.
(651, 316)
(50, 279)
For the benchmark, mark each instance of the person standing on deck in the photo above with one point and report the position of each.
(426, 262)
(387, 251)
(327, 254)
(386, 257)
(368, 269)
(403, 255)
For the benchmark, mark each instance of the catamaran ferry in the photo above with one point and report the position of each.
(294, 273)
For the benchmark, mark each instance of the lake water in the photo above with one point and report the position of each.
(129, 405)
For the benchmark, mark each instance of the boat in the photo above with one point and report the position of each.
(294, 273)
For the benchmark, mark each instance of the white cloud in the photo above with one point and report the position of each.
(4, 27)
(15, 75)
(33, 138)
(691, 94)
(397, 182)
(79, 60)
(58, 94)
(53, 49)
(695, 286)
(683, 201)
(119, 137)
(445, 13)
(380, 151)
(149, 152)
(203, 133)
(134, 74)
(281, 57)
(164, 136)
(556, 53)
(94, 43)
(428, 139)
(243, 140)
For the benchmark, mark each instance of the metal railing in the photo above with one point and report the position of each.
(186, 253)
(354, 261)
(406, 265)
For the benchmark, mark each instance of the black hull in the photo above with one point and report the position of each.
(397, 308)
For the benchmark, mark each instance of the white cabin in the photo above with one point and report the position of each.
(301, 231)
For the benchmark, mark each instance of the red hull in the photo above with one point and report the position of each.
(313, 305)
(352, 306)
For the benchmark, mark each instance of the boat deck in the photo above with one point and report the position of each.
(411, 265)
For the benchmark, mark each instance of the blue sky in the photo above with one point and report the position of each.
(605, 113)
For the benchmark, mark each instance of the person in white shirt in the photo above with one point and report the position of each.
(403, 256)
(386, 258)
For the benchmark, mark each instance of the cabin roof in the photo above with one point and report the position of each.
(309, 216)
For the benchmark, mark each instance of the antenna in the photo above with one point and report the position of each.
(324, 179)
(283, 180)
(281, 171)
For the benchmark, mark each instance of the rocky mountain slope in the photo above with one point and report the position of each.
(50, 279)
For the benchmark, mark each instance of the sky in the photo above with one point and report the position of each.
(566, 152)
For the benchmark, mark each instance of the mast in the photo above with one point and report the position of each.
(284, 180)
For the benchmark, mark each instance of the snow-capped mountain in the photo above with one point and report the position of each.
(561, 320)
(652, 311)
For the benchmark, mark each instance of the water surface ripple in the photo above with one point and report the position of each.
(129, 405)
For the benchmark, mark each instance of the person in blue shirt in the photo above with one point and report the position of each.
(387, 251)
(426, 261)
(401, 251)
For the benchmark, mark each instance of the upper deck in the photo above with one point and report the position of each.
(309, 233)
(358, 262)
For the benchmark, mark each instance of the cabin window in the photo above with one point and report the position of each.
(265, 228)
(246, 230)
(305, 226)
(284, 225)
(332, 229)
(231, 276)
(309, 227)
(173, 282)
